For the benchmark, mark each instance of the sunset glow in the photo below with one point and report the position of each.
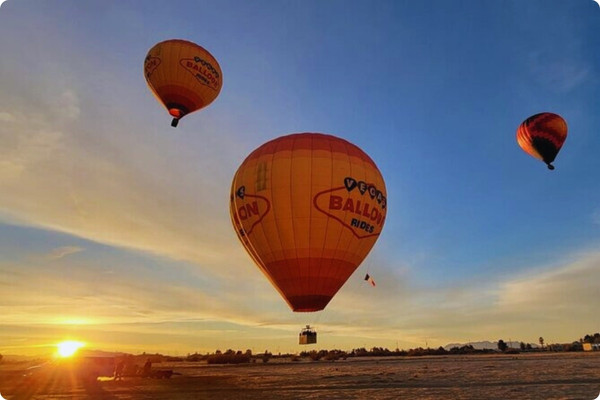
(68, 348)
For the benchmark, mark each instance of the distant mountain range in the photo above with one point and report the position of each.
(99, 353)
(487, 345)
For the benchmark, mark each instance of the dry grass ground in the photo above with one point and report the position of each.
(522, 376)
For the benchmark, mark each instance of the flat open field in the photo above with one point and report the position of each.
(521, 376)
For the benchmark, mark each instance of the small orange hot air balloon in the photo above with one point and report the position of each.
(542, 135)
(183, 76)
(308, 208)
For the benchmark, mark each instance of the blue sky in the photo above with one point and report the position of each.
(115, 228)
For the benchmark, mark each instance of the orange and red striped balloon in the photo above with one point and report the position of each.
(542, 136)
(308, 208)
(183, 76)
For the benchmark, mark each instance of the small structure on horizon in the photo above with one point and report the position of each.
(308, 336)
(591, 346)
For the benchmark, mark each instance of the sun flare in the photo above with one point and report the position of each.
(68, 348)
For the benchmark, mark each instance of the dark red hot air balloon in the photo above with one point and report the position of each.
(542, 135)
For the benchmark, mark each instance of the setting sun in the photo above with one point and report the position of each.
(68, 348)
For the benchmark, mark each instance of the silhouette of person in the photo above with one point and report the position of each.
(147, 368)
(119, 370)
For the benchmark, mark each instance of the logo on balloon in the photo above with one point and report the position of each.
(250, 210)
(361, 210)
(202, 70)
(150, 65)
(351, 183)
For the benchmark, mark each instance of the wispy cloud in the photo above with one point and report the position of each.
(555, 302)
(67, 105)
(112, 182)
(563, 292)
(6, 117)
(596, 216)
(61, 252)
(554, 70)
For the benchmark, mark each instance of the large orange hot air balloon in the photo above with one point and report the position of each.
(542, 135)
(183, 76)
(308, 208)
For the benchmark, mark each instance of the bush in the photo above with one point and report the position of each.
(228, 358)
(266, 357)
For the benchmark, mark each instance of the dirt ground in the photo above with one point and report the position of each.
(521, 376)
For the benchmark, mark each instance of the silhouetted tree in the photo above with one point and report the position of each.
(266, 356)
(542, 342)
(522, 345)
(595, 338)
(361, 352)
(502, 346)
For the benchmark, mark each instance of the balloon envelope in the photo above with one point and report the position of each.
(542, 136)
(308, 208)
(183, 76)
